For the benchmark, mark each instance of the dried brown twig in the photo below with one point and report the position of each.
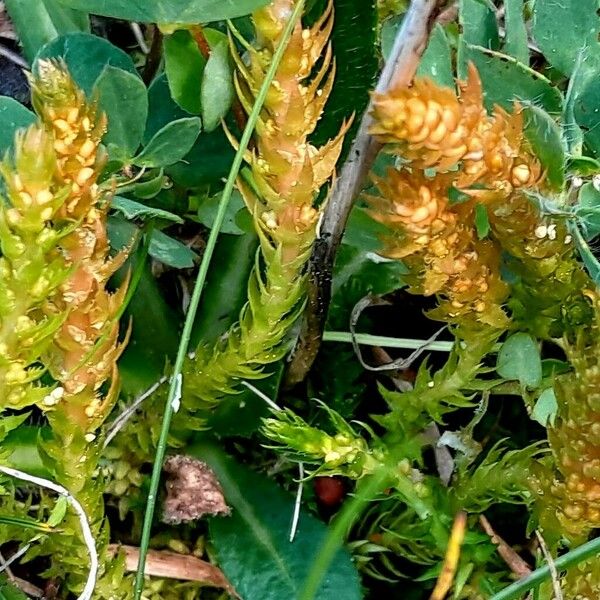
(516, 564)
(399, 70)
(162, 563)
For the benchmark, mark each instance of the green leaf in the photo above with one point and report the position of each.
(516, 43)
(13, 116)
(456, 196)
(217, 86)
(562, 28)
(587, 210)
(123, 97)
(168, 11)
(482, 222)
(356, 274)
(170, 144)
(155, 325)
(354, 41)
(150, 188)
(40, 22)
(436, 62)
(86, 56)
(260, 520)
(363, 231)
(162, 109)
(583, 166)
(207, 211)
(184, 65)
(587, 256)
(10, 423)
(170, 251)
(546, 408)
(572, 132)
(226, 287)
(519, 359)
(58, 512)
(547, 143)
(134, 210)
(478, 23)
(506, 80)
(587, 112)
(207, 162)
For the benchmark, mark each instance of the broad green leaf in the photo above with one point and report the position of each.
(124, 99)
(583, 166)
(572, 132)
(184, 65)
(356, 274)
(226, 287)
(131, 209)
(21, 448)
(482, 222)
(170, 251)
(506, 80)
(260, 520)
(562, 28)
(168, 11)
(354, 41)
(545, 408)
(170, 144)
(547, 143)
(587, 256)
(516, 42)
(478, 23)
(586, 108)
(207, 211)
(162, 109)
(519, 359)
(436, 62)
(86, 56)
(58, 512)
(13, 116)
(364, 232)
(217, 86)
(587, 210)
(41, 21)
(155, 325)
(207, 162)
(150, 188)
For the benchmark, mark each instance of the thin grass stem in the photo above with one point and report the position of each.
(197, 293)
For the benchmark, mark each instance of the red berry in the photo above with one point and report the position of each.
(329, 490)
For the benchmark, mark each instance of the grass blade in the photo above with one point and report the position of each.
(175, 386)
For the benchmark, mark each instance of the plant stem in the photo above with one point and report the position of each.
(539, 576)
(175, 387)
(411, 41)
(386, 342)
(337, 531)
